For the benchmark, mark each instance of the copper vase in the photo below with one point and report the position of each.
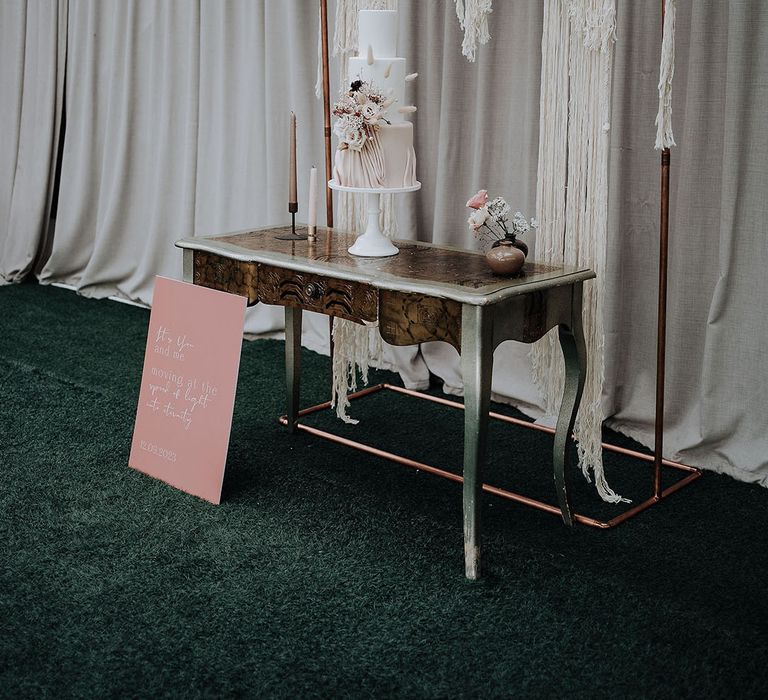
(506, 258)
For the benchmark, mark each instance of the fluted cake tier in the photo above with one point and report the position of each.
(388, 161)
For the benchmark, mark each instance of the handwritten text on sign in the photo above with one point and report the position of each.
(177, 396)
(188, 386)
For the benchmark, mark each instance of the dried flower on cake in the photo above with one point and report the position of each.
(371, 111)
(359, 112)
(355, 139)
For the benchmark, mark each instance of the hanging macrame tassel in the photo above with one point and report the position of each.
(664, 136)
(351, 352)
(548, 368)
(473, 20)
(319, 78)
(591, 56)
(345, 36)
(356, 347)
(577, 52)
(460, 13)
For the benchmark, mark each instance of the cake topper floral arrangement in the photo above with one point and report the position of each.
(491, 223)
(359, 112)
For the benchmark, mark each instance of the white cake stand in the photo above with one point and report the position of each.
(372, 243)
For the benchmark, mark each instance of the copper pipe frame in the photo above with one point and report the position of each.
(656, 458)
(661, 328)
(326, 111)
(693, 473)
(661, 332)
(327, 139)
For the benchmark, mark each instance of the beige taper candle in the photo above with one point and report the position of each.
(293, 199)
(312, 208)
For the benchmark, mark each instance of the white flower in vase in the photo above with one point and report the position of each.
(478, 217)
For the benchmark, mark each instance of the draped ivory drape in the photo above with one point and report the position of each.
(176, 123)
(32, 49)
(717, 371)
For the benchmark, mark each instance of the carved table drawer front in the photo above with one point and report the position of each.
(226, 275)
(407, 318)
(354, 301)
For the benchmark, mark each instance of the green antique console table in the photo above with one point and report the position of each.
(422, 294)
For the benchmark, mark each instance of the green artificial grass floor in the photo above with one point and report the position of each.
(329, 573)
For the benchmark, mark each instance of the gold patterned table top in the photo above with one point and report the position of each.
(419, 267)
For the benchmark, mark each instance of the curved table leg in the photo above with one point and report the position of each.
(575, 355)
(476, 367)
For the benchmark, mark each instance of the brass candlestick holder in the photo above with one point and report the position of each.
(293, 208)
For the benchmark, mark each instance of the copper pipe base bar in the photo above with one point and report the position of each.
(693, 472)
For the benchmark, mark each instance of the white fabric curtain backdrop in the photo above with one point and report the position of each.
(176, 124)
(717, 368)
(32, 46)
(129, 158)
(476, 128)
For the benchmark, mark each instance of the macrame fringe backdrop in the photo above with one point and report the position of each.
(356, 347)
(473, 20)
(319, 78)
(664, 136)
(577, 55)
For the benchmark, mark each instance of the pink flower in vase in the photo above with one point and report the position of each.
(479, 200)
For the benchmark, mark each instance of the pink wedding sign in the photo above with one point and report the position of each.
(187, 394)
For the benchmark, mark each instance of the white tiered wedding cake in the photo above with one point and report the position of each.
(375, 141)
